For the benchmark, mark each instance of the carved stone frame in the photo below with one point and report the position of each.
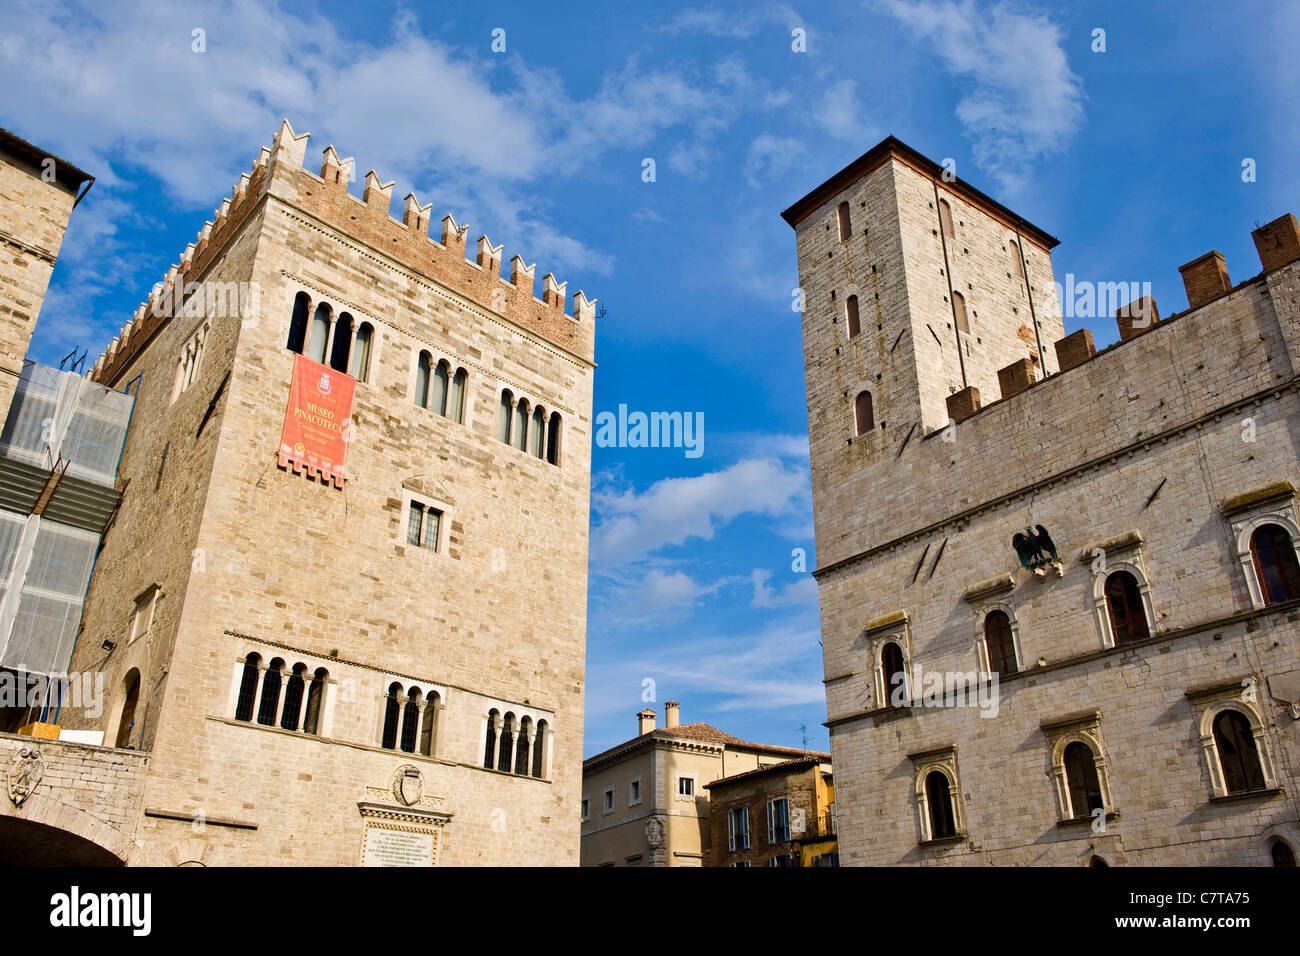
(1084, 728)
(1207, 703)
(1244, 519)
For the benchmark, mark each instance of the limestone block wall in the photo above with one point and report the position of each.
(33, 216)
(1152, 436)
(278, 563)
(91, 792)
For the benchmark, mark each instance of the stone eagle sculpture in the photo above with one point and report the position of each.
(1035, 547)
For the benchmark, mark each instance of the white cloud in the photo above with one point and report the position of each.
(801, 591)
(840, 114)
(675, 510)
(1023, 101)
(770, 156)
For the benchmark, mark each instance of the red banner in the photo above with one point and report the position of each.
(318, 421)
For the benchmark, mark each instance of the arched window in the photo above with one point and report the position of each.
(1000, 643)
(342, 343)
(553, 439)
(1017, 268)
(293, 693)
(945, 218)
(456, 403)
(938, 795)
(891, 668)
(441, 379)
(503, 416)
(320, 333)
(521, 749)
(863, 416)
(298, 324)
(507, 743)
(411, 720)
(851, 314)
(490, 752)
(392, 714)
(1128, 618)
(1081, 779)
(315, 696)
(1282, 854)
(428, 728)
(423, 368)
(361, 353)
(1276, 566)
(1238, 755)
(959, 312)
(270, 694)
(846, 228)
(248, 687)
(519, 437)
(1097, 861)
(126, 723)
(540, 743)
(535, 435)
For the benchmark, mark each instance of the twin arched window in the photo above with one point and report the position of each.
(1276, 566)
(345, 344)
(410, 720)
(515, 745)
(439, 389)
(299, 687)
(531, 429)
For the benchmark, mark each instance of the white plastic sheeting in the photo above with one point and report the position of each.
(47, 569)
(61, 415)
(45, 565)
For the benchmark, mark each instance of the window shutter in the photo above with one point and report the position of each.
(770, 834)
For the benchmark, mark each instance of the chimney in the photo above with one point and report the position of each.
(1205, 279)
(1278, 243)
(670, 713)
(1136, 317)
(645, 722)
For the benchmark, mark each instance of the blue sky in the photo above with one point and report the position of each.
(1132, 157)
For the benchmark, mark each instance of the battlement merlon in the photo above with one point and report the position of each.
(443, 260)
(278, 170)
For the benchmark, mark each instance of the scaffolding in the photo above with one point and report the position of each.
(59, 453)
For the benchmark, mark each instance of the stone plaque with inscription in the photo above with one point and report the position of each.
(389, 847)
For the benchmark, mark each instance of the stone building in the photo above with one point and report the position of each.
(341, 608)
(38, 192)
(779, 815)
(645, 801)
(1059, 588)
